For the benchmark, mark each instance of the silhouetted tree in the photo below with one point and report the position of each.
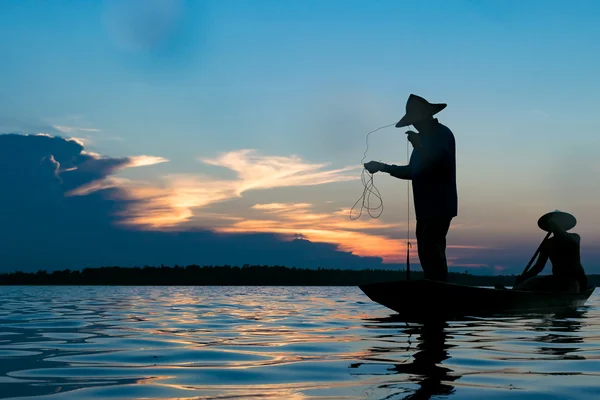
(251, 275)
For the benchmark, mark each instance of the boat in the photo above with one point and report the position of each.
(426, 299)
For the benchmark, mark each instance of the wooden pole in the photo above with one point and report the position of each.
(408, 261)
(535, 254)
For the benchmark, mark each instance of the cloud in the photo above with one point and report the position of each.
(69, 162)
(65, 207)
(43, 227)
(172, 202)
(143, 161)
(280, 207)
(366, 237)
(98, 170)
(175, 198)
(37, 127)
(267, 172)
(82, 141)
(94, 186)
(55, 165)
(294, 220)
(74, 129)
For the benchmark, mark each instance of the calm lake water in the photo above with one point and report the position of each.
(281, 343)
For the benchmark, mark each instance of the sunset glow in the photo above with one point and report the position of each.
(298, 220)
(176, 199)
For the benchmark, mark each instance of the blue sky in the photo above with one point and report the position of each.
(198, 83)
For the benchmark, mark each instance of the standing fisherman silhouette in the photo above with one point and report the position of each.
(432, 169)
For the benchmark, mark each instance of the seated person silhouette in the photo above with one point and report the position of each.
(563, 251)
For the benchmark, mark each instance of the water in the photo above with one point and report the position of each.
(281, 343)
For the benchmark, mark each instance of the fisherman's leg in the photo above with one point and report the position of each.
(548, 283)
(431, 244)
(534, 284)
(439, 230)
(424, 247)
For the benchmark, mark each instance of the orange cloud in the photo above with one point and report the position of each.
(298, 220)
(142, 161)
(358, 243)
(267, 172)
(79, 140)
(128, 162)
(108, 165)
(174, 201)
(280, 207)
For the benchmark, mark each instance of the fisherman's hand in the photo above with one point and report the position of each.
(414, 139)
(375, 166)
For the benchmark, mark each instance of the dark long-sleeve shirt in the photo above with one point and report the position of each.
(432, 169)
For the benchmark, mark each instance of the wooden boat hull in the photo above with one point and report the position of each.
(423, 299)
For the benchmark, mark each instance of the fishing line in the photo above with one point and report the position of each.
(369, 188)
(408, 244)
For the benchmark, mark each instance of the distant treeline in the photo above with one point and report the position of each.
(254, 275)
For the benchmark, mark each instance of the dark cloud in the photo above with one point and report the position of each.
(43, 228)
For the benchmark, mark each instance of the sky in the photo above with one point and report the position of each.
(148, 132)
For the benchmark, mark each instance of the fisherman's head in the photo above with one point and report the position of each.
(424, 125)
(419, 113)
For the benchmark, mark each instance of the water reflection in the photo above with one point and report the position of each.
(184, 342)
(426, 356)
(425, 369)
(427, 361)
(560, 328)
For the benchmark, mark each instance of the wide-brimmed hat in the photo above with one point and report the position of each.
(418, 109)
(565, 220)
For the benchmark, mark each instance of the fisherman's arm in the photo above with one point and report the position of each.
(537, 267)
(397, 171)
(429, 157)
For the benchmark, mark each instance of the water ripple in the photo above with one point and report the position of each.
(280, 342)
